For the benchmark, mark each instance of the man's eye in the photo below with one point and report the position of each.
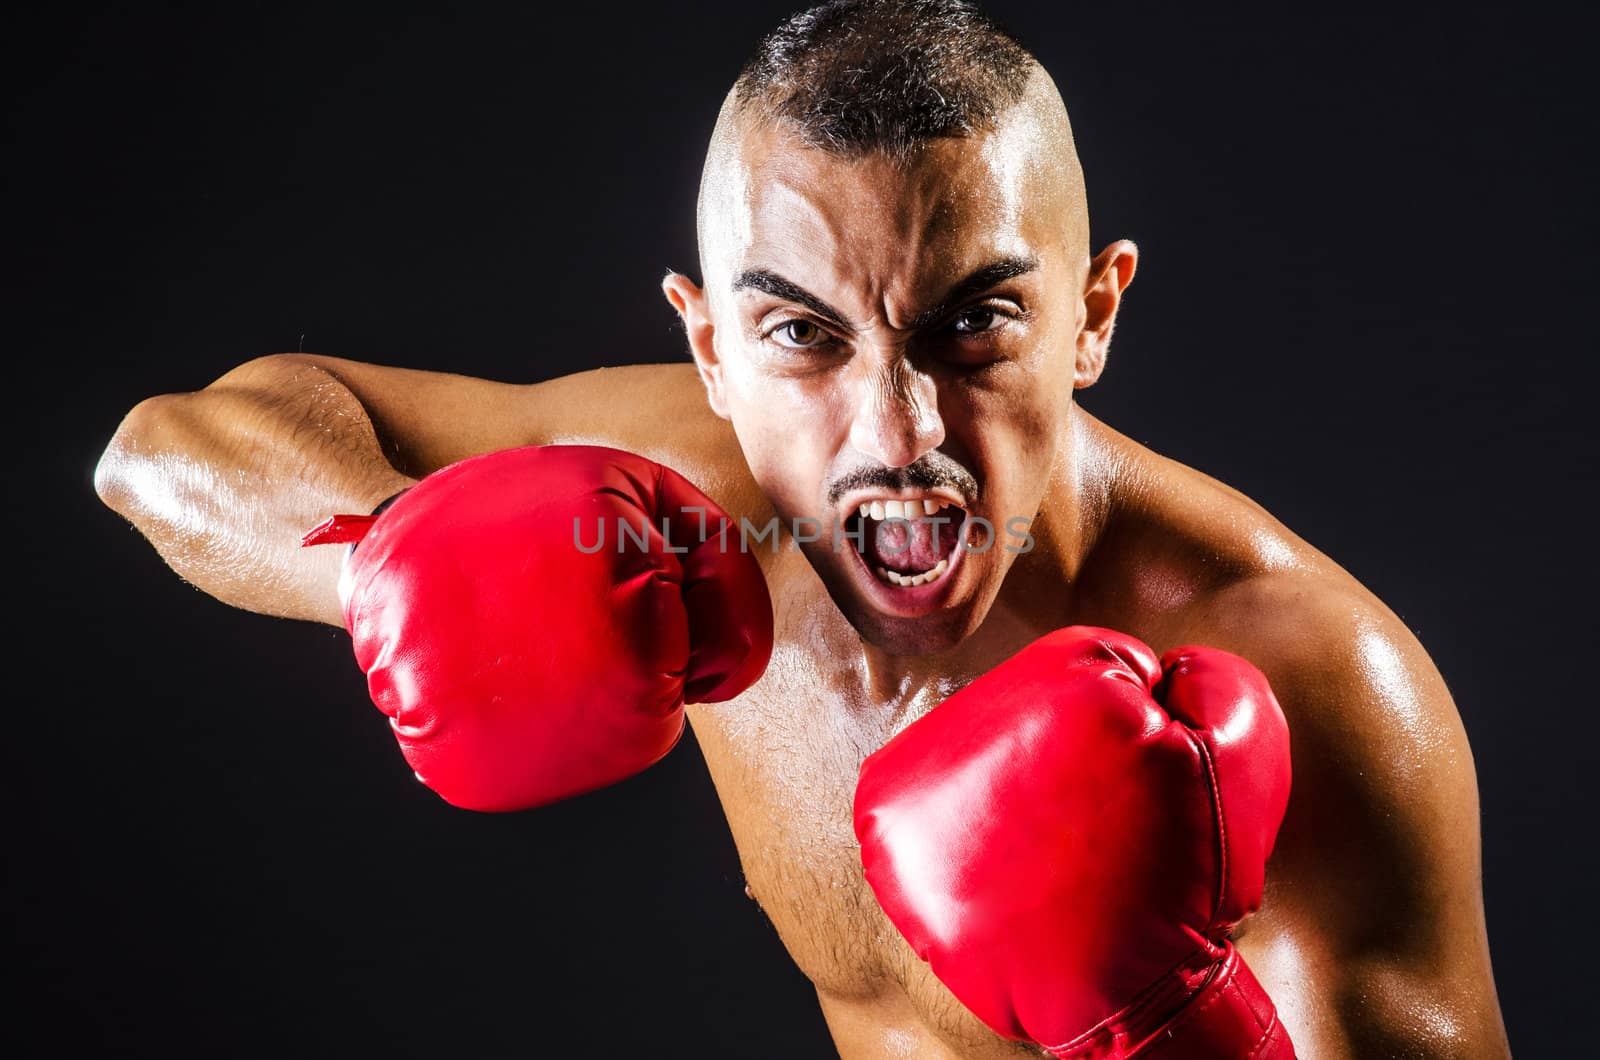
(977, 319)
(799, 335)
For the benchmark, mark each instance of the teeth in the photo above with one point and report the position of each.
(892, 509)
(907, 581)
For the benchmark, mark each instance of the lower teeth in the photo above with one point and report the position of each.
(908, 580)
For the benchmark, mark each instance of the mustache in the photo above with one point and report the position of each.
(930, 470)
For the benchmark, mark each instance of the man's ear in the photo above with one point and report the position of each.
(1109, 275)
(695, 311)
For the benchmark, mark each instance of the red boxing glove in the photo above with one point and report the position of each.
(1069, 839)
(519, 663)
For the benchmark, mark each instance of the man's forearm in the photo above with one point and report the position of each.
(224, 480)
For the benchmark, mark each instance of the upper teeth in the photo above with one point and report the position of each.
(902, 509)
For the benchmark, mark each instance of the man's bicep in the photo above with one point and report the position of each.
(1372, 936)
(1339, 1004)
(426, 420)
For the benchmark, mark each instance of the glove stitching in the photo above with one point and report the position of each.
(1267, 1030)
(1171, 1029)
(1222, 834)
(1266, 1038)
(1152, 996)
(659, 493)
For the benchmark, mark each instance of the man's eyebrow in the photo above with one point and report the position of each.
(975, 282)
(778, 287)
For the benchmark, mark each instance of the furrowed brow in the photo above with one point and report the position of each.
(974, 283)
(778, 287)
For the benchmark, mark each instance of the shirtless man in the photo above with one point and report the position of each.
(899, 299)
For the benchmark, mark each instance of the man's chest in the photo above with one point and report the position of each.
(785, 758)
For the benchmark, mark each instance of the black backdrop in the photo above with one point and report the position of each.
(1366, 260)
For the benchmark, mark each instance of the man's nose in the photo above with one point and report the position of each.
(896, 413)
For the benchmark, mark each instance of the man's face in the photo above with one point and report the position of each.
(897, 340)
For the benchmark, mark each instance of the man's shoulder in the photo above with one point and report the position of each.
(648, 406)
(658, 411)
(1183, 547)
(1372, 723)
(1238, 579)
(1380, 756)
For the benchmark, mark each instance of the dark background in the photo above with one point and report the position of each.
(1362, 301)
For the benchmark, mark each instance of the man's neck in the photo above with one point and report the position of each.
(1039, 591)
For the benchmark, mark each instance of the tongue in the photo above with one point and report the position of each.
(908, 547)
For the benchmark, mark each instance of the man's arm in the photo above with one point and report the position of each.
(1371, 938)
(223, 481)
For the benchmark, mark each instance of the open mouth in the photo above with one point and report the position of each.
(907, 543)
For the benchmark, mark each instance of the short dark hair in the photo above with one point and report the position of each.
(860, 76)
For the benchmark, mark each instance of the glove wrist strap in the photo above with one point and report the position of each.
(345, 529)
(1229, 1017)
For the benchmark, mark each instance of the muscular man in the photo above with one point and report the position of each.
(898, 300)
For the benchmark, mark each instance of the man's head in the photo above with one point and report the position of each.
(898, 297)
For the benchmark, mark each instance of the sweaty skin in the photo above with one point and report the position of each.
(1371, 936)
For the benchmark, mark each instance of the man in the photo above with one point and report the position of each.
(898, 300)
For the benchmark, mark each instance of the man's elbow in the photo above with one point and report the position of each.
(176, 424)
(118, 473)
